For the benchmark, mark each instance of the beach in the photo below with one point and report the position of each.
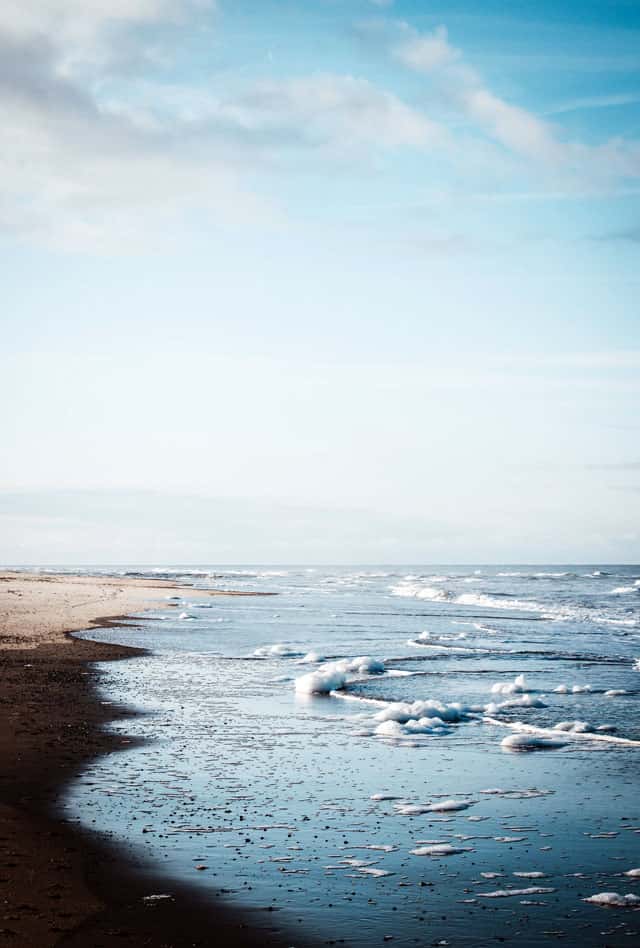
(369, 755)
(60, 884)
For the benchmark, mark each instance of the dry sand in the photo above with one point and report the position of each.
(60, 885)
(39, 608)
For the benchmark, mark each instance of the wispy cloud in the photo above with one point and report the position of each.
(319, 110)
(595, 102)
(516, 129)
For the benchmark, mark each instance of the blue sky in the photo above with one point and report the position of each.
(375, 262)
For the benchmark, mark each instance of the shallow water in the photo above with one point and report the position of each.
(271, 787)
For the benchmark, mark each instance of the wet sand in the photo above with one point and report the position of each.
(60, 885)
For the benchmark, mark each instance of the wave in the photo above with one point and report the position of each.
(505, 602)
(552, 734)
(500, 601)
(495, 601)
(538, 575)
(418, 591)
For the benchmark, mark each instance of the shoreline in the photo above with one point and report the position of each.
(61, 884)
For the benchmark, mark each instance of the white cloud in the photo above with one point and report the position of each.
(342, 110)
(323, 110)
(71, 171)
(75, 175)
(513, 127)
(427, 52)
(84, 29)
(80, 173)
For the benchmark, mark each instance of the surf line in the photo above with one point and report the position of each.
(456, 615)
(564, 735)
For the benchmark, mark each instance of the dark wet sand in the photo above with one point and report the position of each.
(59, 884)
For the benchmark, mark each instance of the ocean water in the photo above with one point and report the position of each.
(428, 755)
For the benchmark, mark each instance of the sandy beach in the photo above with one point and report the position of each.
(59, 885)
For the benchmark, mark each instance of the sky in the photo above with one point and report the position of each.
(320, 281)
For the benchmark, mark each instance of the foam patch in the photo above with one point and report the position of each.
(614, 900)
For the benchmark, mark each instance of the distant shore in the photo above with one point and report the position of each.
(59, 884)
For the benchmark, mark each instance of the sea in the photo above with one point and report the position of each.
(415, 755)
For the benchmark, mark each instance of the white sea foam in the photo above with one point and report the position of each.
(614, 900)
(451, 806)
(517, 686)
(572, 689)
(575, 727)
(634, 873)
(505, 893)
(529, 742)
(442, 850)
(402, 719)
(615, 692)
(443, 646)
(516, 794)
(493, 602)
(403, 711)
(427, 636)
(442, 806)
(419, 591)
(335, 675)
(431, 638)
(524, 701)
(411, 809)
(542, 736)
(394, 729)
(312, 658)
(279, 650)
